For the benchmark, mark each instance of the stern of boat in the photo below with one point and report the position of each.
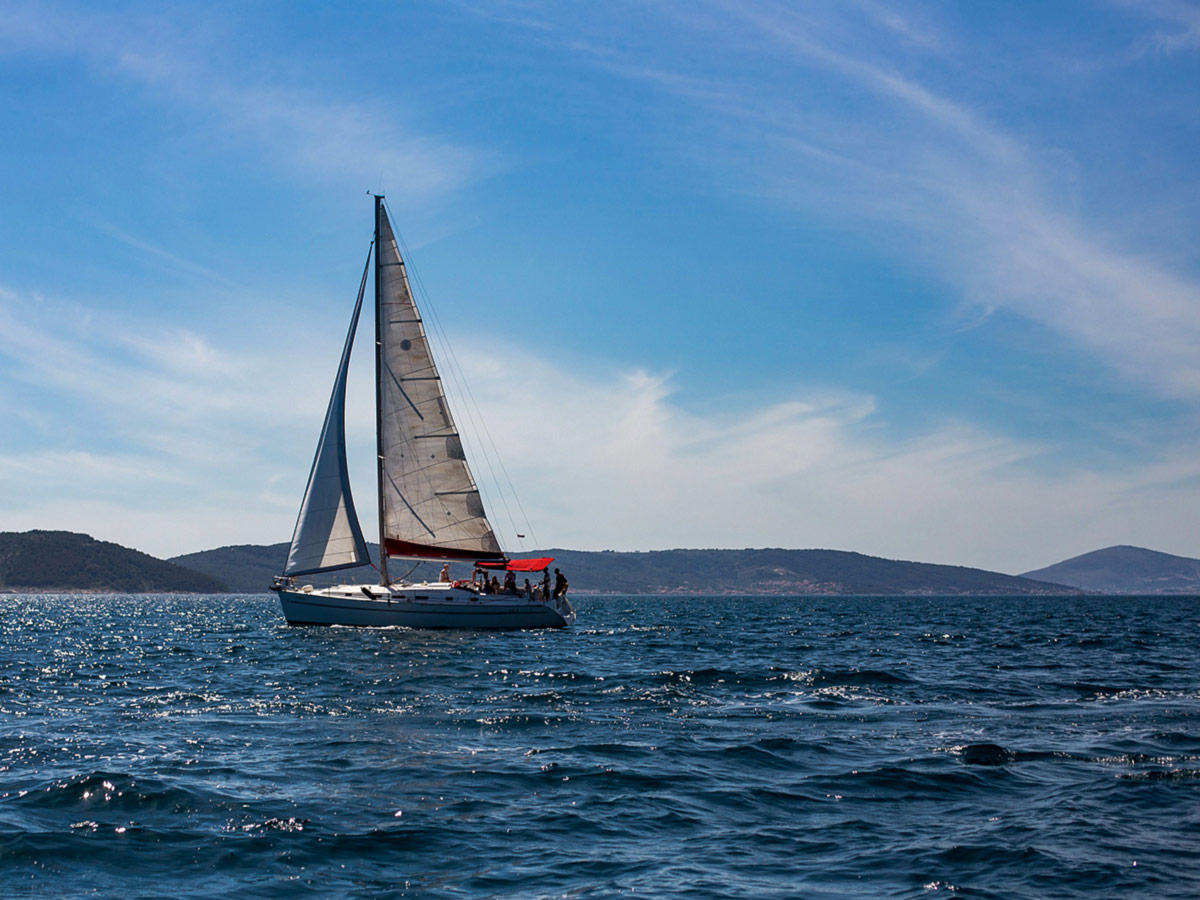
(563, 607)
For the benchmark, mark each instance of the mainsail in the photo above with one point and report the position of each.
(429, 503)
(327, 534)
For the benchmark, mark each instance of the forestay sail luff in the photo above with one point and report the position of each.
(327, 534)
(430, 503)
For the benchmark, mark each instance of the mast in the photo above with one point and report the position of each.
(383, 572)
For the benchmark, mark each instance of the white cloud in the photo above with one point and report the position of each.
(614, 461)
(140, 422)
(172, 445)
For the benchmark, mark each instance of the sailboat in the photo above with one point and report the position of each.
(430, 507)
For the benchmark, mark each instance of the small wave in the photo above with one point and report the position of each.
(111, 791)
(790, 743)
(858, 677)
(525, 720)
(1162, 775)
(756, 756)
(1106, 693)
(1086, 687)
(273, 824)
(1176, 738)
(542, 698)
(705, 675)
(990, 854)
(1144, 759)
(598, 749)
(900, 782)
(615, 779)
(843, 677)
(986, 754)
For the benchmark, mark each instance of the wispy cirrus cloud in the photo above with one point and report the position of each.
(1181, 21)
(979, 204)
(1004, 236)
(141, 408)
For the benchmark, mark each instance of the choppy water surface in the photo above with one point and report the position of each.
(682, 747)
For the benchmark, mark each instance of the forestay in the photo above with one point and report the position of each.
(327, 534)
(431, 506)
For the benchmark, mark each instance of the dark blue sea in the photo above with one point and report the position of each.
(825, 747)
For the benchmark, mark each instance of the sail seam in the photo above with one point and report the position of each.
(404, 394)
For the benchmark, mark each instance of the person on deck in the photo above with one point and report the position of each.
(495, 585)
(445, 576)
(545, 584)
(560, 584)
(510, 583)
(528, 591)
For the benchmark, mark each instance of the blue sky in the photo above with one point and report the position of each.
(919, 280)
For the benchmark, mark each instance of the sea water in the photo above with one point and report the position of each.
(703, 747)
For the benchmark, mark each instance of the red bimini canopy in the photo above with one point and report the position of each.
(517, 565)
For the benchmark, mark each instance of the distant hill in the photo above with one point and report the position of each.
(245, 568)
(248, 568)
(777, 571)
(66, 561)
(1125, 570)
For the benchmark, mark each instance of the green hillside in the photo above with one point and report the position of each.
(1126, 570)
(778, 571)
(245, 568)
(66, 561)
(249, 568)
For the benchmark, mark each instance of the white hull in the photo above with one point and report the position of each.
(420, 606)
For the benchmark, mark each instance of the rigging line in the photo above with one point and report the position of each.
(454, 368)
(470, 406)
